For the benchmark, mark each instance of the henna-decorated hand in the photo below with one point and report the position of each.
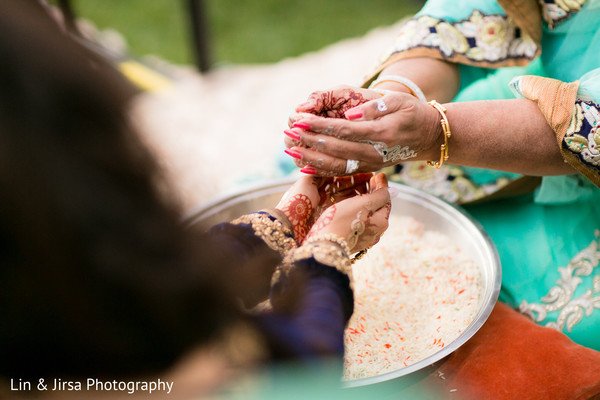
(361, 219)
(379, 133)
(327, 104)
(333, 103)
(306, 200)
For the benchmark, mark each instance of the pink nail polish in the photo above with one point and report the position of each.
(292, 134)
(308, 170)
(293, 153)
(354, 114)
(302, 125)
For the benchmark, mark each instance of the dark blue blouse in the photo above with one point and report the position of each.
(310, 306)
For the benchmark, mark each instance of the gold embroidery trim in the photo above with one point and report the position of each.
(566, 114)
(582, 140)
(273, 232)
(325, 252)
(554, 98)
(481, 40)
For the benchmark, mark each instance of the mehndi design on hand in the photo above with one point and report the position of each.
(334, 105)
(325, 219)
(394, 153)
(299, 210)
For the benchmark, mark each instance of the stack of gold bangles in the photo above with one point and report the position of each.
(446, 128)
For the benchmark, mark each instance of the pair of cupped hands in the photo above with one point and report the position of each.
(355, 208)
(339, 124)
(345, 122)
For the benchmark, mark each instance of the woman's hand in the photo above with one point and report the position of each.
(333, 103)
(378, 133)
(306, 200)
(361, 219)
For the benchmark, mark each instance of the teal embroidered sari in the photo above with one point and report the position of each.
(547, 240)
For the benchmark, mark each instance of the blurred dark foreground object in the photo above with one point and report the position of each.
(97, 275)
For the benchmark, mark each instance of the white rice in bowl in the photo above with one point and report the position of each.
(414, 293)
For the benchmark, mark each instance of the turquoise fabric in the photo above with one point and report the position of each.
(458, 10)
(571, 49)
(590, 86)
(538, 235)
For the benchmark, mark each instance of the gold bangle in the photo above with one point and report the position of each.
(446, 128)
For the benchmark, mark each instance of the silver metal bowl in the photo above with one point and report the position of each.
(433, 213)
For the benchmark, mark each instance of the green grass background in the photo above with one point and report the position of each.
(242, 31)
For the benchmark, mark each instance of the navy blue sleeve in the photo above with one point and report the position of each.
(310, 312)
(250, 260)
(311, 305)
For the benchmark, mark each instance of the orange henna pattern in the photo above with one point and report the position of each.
(299, 209)
(324, 220)
(388, 207)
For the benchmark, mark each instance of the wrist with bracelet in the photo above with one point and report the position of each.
(445, 132)
(330, 237)
(272, 226)
(326, 250)
(337, 239)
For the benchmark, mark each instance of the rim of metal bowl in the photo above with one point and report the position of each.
(222, 202)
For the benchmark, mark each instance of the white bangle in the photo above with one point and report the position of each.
(414, 89)
(382, 92)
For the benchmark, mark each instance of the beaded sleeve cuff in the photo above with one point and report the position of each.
(272, 227)
(325, 252)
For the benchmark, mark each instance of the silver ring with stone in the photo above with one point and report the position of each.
(351, 166)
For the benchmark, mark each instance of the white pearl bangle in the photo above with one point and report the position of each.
(331, 237)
